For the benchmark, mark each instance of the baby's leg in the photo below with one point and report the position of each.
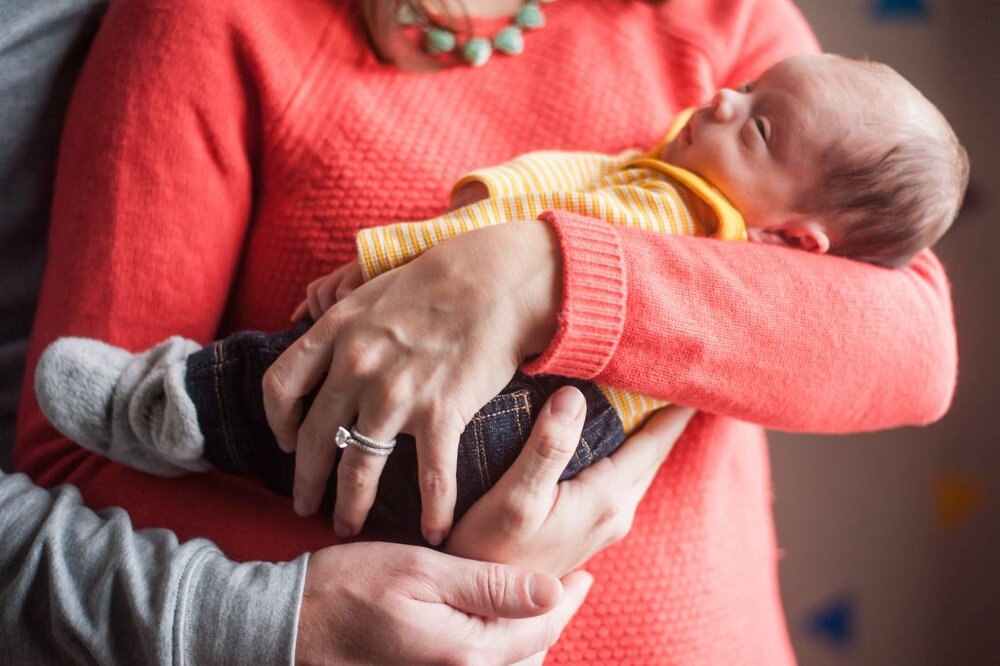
(487, 448)
(132, 408)
(224, 382)
(178, 408)
(172, 409)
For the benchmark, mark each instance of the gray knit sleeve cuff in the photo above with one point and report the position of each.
(237, 613)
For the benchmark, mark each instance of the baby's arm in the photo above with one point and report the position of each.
(542, 169)
(490, 196)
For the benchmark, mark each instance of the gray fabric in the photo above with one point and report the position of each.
(42, 45)
(132, 408)
(82, 588)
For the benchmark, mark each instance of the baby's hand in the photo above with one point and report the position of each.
(323, 292)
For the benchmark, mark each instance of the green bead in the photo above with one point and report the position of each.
(530, 16)
(509, 41)
(477, 51)
(437, 40)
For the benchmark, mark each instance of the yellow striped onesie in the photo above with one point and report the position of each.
(632, 189)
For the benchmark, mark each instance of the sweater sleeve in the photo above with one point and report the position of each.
(152, 204)
(152, 192)
(765, 334)
(78, 587)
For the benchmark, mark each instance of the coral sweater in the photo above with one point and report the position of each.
(219, 155)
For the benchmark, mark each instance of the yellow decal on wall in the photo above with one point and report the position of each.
(957, 497)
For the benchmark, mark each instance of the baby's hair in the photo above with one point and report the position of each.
(891, 202)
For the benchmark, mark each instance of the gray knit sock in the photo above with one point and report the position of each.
(132, 408)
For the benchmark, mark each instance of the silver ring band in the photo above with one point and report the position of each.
(363, 443)
(389, 444)
(364, 448)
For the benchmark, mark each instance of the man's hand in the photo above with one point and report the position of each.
(382, 603)
(530, 519)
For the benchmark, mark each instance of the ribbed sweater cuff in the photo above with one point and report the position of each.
(593, 301)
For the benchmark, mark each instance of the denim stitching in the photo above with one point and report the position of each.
(523, 397)
(589, 448)
(479, 421)
(227, 435)
(520, 394)
(481, 462)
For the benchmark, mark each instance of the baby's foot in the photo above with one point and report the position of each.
(132, 408)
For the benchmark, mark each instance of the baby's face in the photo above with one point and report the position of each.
(762, 145)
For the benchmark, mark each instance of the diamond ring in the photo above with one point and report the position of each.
(363, 443)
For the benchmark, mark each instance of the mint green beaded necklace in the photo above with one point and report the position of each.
(439, 40)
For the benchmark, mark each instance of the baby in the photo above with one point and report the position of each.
(822, 154)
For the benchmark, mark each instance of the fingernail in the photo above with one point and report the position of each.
(543, 590)
(567, 404)
(341, 529)
(300, 506)
(435, 537)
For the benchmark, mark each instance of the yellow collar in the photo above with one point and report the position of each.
(731, 224)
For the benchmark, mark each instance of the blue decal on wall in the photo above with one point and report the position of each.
(899, 9)
(833, 622)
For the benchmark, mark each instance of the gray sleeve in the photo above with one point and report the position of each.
(82, 587)
(42, 47)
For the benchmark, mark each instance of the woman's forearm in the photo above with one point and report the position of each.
(763, 334)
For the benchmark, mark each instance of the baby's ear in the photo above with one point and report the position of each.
(808, 236)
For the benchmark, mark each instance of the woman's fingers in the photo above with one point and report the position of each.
(553, 439)
(437, 459)
(316, 450)
(357, 483)
(292, 376)
(358, 471)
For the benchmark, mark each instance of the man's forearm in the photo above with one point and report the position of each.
(80, 587)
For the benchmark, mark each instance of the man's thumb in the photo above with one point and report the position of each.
(501, 590)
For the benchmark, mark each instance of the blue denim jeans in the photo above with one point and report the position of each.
(224, 381)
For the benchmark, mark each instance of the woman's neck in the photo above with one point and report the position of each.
(484, 8)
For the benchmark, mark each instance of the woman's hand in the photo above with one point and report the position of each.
(419, 349)
(530, 519)
(382, 603)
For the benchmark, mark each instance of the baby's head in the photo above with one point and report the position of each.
(829, 154)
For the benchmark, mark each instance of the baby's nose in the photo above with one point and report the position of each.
(722, 105)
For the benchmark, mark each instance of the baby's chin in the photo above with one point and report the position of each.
(673, 152)
(670, 153)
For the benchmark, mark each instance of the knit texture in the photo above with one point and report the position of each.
(221, 154)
